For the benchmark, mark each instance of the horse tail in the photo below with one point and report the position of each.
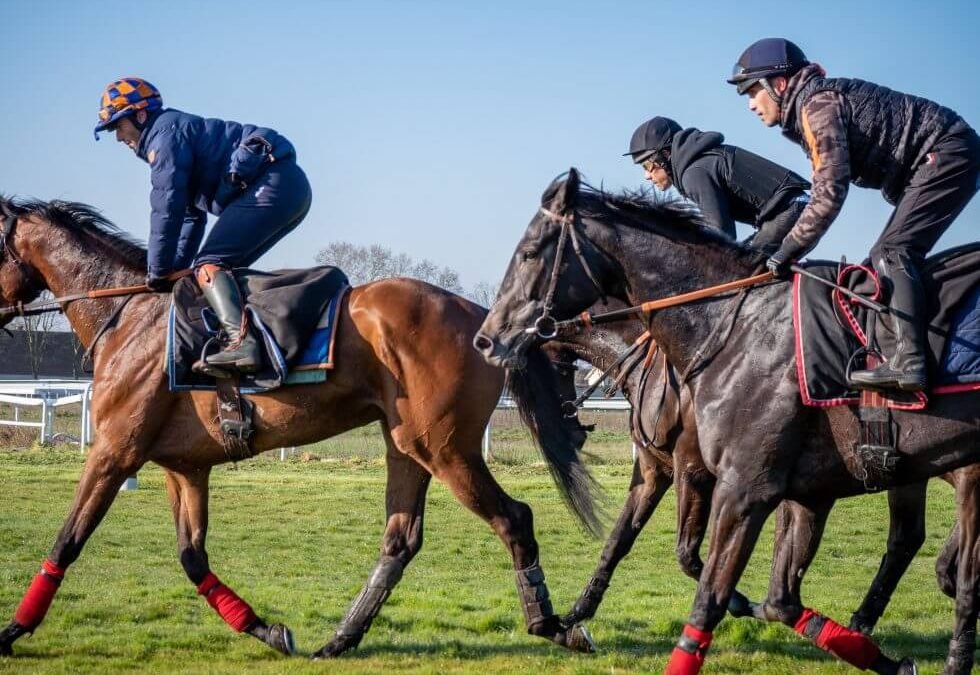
(559, 439)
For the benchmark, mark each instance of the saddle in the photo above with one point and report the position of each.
(835, 335)
(293, 314)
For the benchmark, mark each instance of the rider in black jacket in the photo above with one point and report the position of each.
(727, 183)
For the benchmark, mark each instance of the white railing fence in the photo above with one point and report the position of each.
(507, 403)
(49, 396)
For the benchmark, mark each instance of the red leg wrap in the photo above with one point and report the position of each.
(38, 598)
(688, 656)
(846, 644)
(236, 612)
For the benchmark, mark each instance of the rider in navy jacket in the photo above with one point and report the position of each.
(245, 175)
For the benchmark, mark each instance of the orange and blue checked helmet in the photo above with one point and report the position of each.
(123, 98)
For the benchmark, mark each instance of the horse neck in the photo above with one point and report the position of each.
(671, 265)
(602, 345)
(69, 265)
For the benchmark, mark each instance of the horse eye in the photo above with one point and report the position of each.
(529, 254)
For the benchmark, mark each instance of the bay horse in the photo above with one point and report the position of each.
(664, 432)
(736, 355)
(403, 359)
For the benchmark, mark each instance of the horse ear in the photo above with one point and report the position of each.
(561, 195)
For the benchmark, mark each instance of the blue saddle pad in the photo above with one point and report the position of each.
(294, 313)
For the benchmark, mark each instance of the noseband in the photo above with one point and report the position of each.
(546, 326)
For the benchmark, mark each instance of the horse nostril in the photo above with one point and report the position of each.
(483, 344)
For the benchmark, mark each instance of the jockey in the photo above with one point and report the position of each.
(726, 182)
(923, 157)
(245, 175)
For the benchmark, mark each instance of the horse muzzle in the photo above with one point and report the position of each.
(500, 355)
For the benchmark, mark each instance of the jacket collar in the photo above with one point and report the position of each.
(141, 147)
(796, 85)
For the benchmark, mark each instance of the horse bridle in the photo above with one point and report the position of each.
(6, 235)
(546, 326)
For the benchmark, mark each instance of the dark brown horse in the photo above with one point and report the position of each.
(665, 434)
(404, 359)
(736, 355)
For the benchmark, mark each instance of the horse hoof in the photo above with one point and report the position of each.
(280, 638)
(958, 667)
(579, 639)
(907, 667)
(739, 606)
(7, 637)
(337, 646)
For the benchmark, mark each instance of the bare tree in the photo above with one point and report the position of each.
(77, 349)
(36, 328)
(370, 263)
(484, 293)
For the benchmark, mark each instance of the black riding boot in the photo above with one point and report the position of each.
(241, 352)
(906, 370)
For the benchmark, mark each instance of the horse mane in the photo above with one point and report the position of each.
(649, 211)
(83, 221)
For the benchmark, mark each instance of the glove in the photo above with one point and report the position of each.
(159, 284)
(779, 263)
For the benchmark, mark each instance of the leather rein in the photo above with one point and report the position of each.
(547, 327)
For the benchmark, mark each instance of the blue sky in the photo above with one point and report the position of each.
(433, 127)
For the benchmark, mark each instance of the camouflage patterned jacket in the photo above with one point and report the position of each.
(854, 132)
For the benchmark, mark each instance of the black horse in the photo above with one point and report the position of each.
(664, 432)
(735, 353)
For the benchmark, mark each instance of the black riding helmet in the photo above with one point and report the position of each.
(763, 59)
(652, 138)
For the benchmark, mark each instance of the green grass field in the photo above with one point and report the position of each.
(297, 538)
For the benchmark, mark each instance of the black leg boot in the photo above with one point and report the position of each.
(220, 289)
(906, 370)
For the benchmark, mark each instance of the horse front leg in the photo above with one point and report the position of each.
(906, 534)
(649, 484)
(694, 489)
(188, 492)
(406, 488)
(106, 467)
(738, 518)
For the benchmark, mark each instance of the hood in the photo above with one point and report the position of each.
(688, 145)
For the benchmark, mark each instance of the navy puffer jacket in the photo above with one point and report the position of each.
(190, 160)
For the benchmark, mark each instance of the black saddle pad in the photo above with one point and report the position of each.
(286, 307)
(831, 329)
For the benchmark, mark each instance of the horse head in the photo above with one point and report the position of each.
(20, 281)
(556, 271)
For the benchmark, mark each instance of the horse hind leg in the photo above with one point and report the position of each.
(468, 478)
(906, 534)
(406, 488)
(188, 494)
(962, 646)
(947, 562)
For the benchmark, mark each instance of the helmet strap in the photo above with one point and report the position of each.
(662, 157)
(767, 85)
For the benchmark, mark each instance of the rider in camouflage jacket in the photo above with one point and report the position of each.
(922, 156)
